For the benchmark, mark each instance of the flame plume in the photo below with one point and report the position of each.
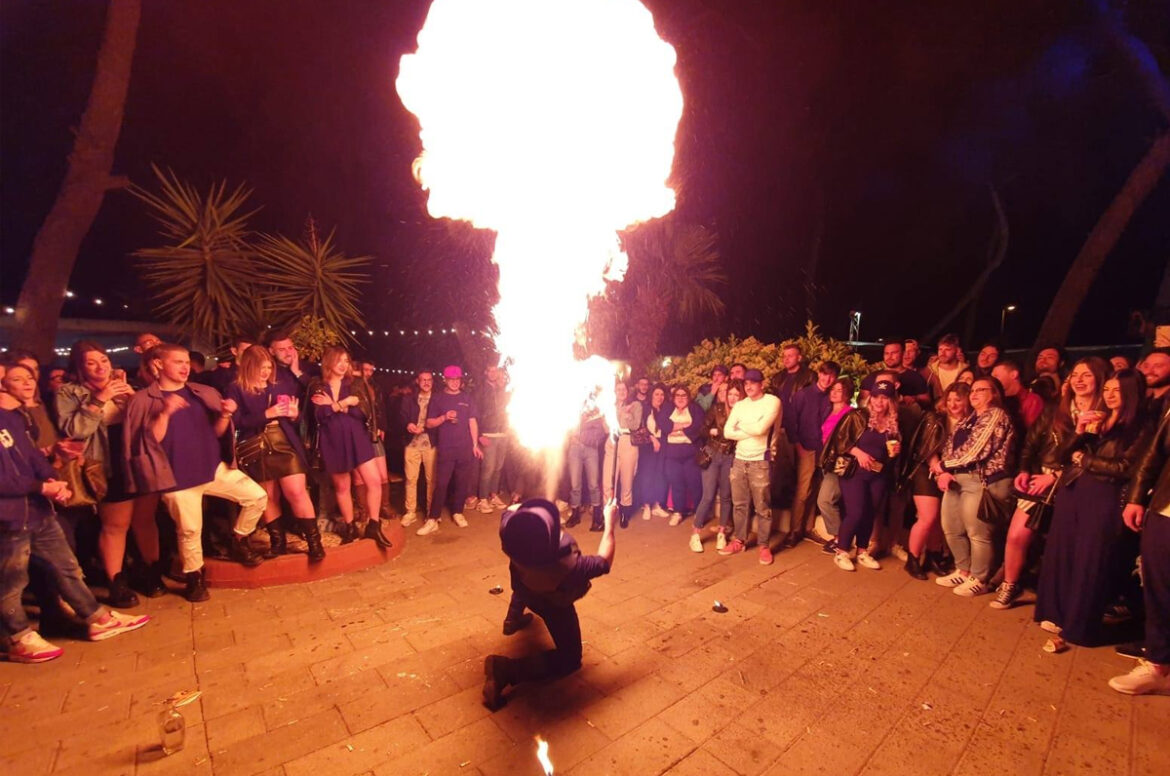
(551, 122)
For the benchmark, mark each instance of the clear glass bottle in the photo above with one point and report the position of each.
(172, 727)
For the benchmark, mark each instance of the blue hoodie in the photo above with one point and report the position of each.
(22, 470)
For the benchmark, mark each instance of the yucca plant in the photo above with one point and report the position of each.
(310, 277)
(201, 279)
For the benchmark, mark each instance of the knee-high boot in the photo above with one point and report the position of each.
(312, 537)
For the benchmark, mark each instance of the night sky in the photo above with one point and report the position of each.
(873, 130)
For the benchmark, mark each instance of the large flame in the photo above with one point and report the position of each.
(553, 123)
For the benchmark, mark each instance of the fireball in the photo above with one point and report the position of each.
(551, 122)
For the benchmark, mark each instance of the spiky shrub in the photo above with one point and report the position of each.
(694, 368)
(311, 277)
(200, 279)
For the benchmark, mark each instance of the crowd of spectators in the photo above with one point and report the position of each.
(990, 475)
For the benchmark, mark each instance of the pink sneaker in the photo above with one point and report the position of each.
(765, 556)
(116, 624)
(31, 648)
(733, 547)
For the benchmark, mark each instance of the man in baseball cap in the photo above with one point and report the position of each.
(549, 574)
(453, 416)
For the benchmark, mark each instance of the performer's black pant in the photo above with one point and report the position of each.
(565, 629)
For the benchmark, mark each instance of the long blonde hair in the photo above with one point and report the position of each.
(249, 363)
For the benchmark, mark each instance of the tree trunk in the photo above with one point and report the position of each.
(86, 181)
(1061, 314)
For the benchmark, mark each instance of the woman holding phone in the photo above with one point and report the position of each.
(90, 412)
(269, 450)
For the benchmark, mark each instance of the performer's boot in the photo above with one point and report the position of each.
(497, 673)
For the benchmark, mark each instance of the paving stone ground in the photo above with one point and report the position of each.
(812, 670)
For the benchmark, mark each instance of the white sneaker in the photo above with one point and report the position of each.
(497, 502)
(485, 506)
(429, 526)
(646, 512)
(562, 505)
(675, 518)
(696, 543)
(867, 560)
(459, 519)
(899, 552)
(843, 562)
(1142, 680)
(410, 518)
(658, 511)
(31, 648)
(971, 588)
(954, 579)
(116, 624)
(720, 540)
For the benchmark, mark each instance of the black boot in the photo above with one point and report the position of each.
(242, 552)
(121, 596)
(374, 531)
(574, 517)
(277, 541)
(624, 516)
(598, 520)
(347, 531)
(196, 587)
(312, 537)
(150, 582)
(497, 676)
(914, 568)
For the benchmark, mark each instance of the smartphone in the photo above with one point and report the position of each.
(284, 401)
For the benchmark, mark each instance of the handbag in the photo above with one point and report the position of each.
(703, 457)
(87, 481)
(994, 510)
(844, 466)
(640, 437)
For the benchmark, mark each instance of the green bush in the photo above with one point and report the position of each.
(694, 369)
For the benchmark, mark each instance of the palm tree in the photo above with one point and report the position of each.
(202, 279)
(673, 275)
(86, 182)
(310, 277)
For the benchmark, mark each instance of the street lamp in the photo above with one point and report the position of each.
(1011, 308)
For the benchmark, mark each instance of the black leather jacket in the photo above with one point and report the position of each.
(1111, 456)
(1150, 485)
(925, 442)
(849, 429)
(1048, 443)
(716, 418)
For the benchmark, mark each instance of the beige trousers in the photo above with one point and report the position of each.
(186, 509)
(625, 458)
(413, 458)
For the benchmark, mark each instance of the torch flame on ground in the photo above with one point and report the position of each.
(542, 755)
(552, 123)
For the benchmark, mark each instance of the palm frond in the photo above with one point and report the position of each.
(201, 278)
(311, 277)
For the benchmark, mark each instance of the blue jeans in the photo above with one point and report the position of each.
(494, 454)
(716, 481)
(42, 538)
(684, 479)
(584, 457)
(751, 485)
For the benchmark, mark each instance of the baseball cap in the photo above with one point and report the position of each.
(884, 388)
(452, 371)
(753, 376)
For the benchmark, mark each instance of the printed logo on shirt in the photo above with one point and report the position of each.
(6, 439)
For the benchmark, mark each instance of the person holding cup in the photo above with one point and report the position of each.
(870, 435)
(269, 449)
(91, 411)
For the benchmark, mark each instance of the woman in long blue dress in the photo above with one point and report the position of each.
(344, 443)
(1075, 580)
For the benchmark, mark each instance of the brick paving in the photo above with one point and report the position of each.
(812, 670)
